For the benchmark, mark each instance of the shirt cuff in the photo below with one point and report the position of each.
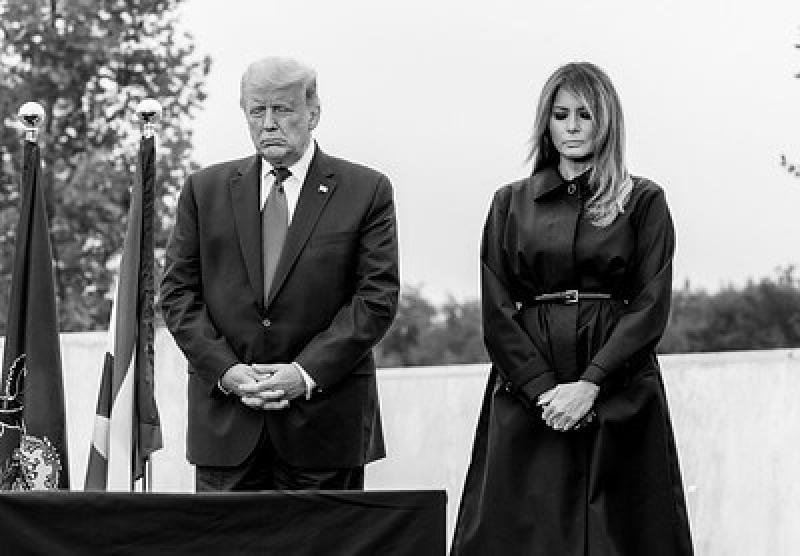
(218, 385)
(222, 389)
(310, 384)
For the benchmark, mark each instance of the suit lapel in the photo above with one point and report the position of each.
(317, 189)
(245, 198)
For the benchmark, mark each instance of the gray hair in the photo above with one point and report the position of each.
(278, 72)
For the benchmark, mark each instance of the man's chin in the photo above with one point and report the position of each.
(274, 154)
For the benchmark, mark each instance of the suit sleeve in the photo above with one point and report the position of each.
(642, 324)
(510, 348)
(182, 305)
(365, 318)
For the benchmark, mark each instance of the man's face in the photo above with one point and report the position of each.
(280, 122)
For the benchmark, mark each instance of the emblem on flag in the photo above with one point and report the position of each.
(34, 463)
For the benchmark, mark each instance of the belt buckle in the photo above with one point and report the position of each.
(571, 297)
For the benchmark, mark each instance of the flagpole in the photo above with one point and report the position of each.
(127, 426)
(149, 112)
(31, 116)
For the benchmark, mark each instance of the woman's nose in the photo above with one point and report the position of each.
(573, 123)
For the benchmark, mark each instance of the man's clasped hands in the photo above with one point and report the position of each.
(264, 386)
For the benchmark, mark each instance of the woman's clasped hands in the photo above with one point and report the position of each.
(564, 405)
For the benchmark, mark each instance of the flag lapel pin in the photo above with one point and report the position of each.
(323, 188)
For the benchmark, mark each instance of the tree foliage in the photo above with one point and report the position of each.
(426, 334)
(760, 315)
(763, 314)
(89, 63)
(791, 166)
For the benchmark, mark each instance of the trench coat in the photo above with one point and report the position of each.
(614, 487)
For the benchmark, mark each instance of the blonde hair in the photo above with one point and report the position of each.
(608, 179)
(278, 72)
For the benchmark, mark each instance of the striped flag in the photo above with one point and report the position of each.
(33, 435)
(127, 428)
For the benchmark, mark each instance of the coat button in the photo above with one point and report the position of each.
(266, 323)
(571, 189)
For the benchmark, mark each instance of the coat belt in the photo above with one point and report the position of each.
(570, 297)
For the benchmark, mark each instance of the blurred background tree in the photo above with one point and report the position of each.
(762, 314)
(89, 63)
(426, 334)
(792, 166)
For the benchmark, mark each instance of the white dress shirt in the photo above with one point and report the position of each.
(291, 187)
(292, 184)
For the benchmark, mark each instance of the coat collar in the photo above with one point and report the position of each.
(549, 179)
(244, 191)
(318, 187)
(544, 181)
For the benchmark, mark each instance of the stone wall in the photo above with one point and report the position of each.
(736, 419)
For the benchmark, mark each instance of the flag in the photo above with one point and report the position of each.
(33, 393)
(127, 428)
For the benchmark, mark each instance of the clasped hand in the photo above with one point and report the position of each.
(566, 404)
(265, 386)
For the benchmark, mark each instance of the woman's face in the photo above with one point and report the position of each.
(571, 127)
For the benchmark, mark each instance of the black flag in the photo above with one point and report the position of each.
(32, 390)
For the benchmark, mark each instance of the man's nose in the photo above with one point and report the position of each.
(269, 120)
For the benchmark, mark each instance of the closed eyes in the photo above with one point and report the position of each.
(583, 114)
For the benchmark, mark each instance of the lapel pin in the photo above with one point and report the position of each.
(323, 188)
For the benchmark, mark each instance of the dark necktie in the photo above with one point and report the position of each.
(275, 222)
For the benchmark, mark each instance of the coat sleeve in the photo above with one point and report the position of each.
(510, 348)
(182, 305)
(644, 319)
(364, 319)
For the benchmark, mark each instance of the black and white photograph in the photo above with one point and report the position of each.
(399, 278)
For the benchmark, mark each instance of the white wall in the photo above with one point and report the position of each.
(737, 426)
(736, 419)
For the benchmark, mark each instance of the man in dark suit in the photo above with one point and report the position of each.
(281, 277)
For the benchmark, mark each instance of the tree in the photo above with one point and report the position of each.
(89, 63)
(426, 334)
(401, 345)
(761, 315)
(458, 337)
(764, 314)
(791, 167)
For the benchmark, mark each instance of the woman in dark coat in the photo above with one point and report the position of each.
(574, 453)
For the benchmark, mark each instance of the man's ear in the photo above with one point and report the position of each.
(314, 120)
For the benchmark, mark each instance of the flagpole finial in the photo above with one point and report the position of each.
(149, 112)
(31, 116)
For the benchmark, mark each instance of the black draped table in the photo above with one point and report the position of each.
(319, 523)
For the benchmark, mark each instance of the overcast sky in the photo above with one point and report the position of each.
(440, 96)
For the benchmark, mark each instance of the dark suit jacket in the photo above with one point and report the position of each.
(333, 297)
